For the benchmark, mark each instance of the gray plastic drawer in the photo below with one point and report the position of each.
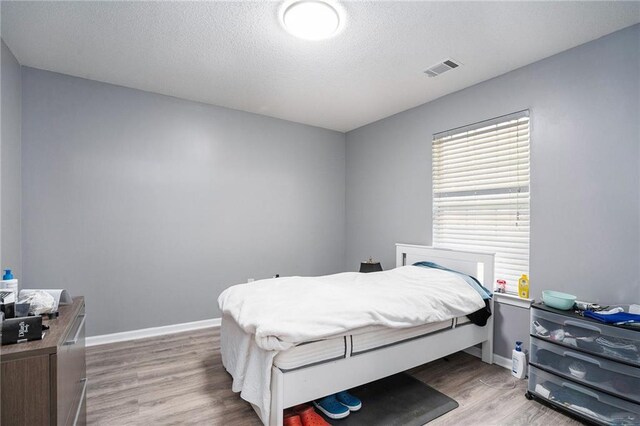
(600, 407)
(611, 342)
(601, 373)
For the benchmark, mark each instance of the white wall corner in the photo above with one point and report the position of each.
(497, 359)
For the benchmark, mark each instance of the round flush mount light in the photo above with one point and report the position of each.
(311, 19)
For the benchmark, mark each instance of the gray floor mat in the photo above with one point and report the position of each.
(397, 400)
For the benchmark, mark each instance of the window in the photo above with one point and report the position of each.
(481, 192)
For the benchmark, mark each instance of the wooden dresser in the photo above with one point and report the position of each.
(44, 382)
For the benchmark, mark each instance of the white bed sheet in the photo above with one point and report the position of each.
(248, 364)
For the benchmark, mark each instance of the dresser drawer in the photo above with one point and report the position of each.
(600, 373)
(613, 343)
(590, 403)
(71, 368)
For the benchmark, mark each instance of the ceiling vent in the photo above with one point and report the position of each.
(442, 67)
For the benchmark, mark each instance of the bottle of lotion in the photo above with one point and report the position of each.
(519, 362)
(523, 286)
(10, 283)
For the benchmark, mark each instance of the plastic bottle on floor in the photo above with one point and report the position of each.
(519, 361)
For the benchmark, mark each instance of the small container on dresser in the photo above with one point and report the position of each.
(589, 369)
(44, 382)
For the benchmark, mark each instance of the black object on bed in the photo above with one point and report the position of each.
(397, 400)
(481, 316)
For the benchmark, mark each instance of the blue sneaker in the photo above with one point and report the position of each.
(349, 401)
(331, 408)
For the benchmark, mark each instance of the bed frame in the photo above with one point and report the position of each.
(309, 383)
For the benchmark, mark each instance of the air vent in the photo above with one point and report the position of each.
(442, 67)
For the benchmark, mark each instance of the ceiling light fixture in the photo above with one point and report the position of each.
(311, 19)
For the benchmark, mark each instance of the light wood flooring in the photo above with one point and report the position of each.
(179, 379)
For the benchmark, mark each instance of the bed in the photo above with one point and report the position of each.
(310, 369)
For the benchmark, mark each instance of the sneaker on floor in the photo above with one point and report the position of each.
(348, 400)
(309, 417)
(331, 407)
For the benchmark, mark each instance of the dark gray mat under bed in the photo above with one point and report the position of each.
(398, 400)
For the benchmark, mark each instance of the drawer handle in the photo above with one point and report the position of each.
(78, 331)
(582, 325)
(84, 391)
(581, 390)
(583, 358)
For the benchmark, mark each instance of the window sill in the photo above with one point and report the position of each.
(513, 300)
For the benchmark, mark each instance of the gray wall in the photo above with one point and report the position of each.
(10, 185)
(585, 223)
(131, 198)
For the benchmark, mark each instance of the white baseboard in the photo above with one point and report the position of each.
(502, 361)
(151, 332)
(497, 359)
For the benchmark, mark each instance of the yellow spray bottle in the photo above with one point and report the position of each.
(523, 286)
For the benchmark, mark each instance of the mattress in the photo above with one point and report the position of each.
(358, 342)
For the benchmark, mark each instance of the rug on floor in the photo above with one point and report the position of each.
(397, 400)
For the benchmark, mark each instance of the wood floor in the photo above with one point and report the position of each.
(180, 379)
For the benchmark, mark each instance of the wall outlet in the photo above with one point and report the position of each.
(250, 280)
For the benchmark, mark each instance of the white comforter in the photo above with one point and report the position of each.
(280, 313)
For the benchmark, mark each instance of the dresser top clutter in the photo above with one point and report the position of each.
(572, 313)
(54, 337)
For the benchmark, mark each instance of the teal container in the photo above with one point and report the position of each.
(558, 300)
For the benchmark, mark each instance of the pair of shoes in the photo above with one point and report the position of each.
(303, 415)
(350, 401)
(339, 405)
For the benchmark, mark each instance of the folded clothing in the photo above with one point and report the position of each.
(612, 347)
(614, 318)
(619, 348)
(590, 346)
(619, 344)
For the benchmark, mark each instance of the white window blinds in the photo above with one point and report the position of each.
(481, 192)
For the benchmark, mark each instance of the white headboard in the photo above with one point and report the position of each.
(479, 265)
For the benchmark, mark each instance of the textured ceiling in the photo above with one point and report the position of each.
(235, 54)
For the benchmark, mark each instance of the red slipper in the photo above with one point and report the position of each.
(292, 419)
(309, 416)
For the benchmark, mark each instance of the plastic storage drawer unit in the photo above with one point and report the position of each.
(615, 343)
(594, 405)
(599, 373)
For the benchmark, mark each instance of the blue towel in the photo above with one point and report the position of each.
(617, 318)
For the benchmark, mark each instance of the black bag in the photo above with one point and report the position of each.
(21, 329)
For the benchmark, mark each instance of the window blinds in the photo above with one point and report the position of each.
(481, 192)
